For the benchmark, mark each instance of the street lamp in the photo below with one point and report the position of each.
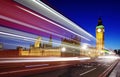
(84, 47)
(63, 49)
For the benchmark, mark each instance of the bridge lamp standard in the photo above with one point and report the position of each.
(63, 49)
(84, 47)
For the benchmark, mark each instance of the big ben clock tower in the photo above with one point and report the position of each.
(100, 35)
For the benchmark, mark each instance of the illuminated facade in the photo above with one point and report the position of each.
(100, 35)
(39, 49)
(48, 45)
(72, 46)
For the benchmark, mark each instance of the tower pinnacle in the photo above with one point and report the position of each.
(99, 21)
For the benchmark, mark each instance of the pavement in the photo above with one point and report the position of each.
(116, 71)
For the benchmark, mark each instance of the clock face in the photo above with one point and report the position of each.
(99, 30)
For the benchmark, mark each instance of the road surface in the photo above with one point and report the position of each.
(54, 66)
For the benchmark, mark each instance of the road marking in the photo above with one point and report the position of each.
(87, 71)
(99, 64)
(37, 65)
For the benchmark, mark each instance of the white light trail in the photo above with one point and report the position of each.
(45, 10)
(30, 26)
(52, 22)
(13, 35)
(46, 59)
(109, 57)
(60, 16)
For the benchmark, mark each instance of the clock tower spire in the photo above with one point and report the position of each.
(99, 36)
(99, 21)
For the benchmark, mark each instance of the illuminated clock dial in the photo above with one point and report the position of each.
(99, 30)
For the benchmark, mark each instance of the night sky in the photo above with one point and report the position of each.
(85, 13)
